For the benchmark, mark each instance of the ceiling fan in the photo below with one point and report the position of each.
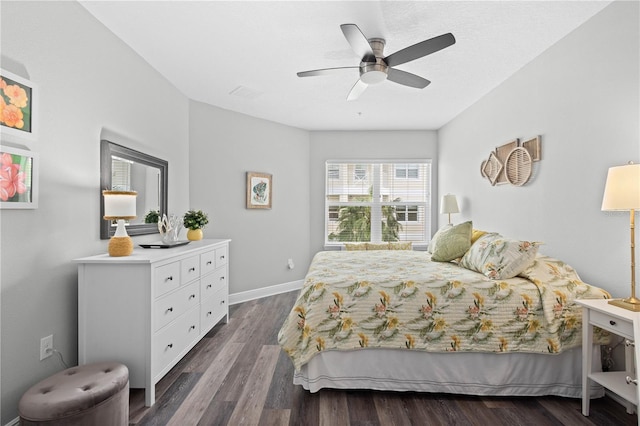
(375, 68)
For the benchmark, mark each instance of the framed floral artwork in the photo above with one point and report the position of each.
(258, 190)
(18, 178)
(18, 99)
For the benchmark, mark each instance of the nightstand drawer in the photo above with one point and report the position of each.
(612, 324)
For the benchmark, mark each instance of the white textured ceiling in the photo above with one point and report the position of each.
(208, 49)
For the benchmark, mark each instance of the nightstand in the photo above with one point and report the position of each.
(619, 321)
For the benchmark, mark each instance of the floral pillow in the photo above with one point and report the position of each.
(451, 242)
(498, 257)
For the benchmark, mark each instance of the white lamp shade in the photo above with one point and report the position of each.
(622, 190)
(449, 204)
(119, 204)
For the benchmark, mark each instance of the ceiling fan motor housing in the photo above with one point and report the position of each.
(374, 72)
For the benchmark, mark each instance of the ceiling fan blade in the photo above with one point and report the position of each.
(324, 71)
(358, 42)
(357, 90)
(407, 79)
(421, 49)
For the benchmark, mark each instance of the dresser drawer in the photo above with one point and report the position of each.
(213, 309)
(166, 278)
(189, 269)
(221, 256)
(207, 262)
(213, 283)
(171, 306)
(606, 322)
(171, 341)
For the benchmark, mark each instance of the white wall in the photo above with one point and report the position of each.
(91, 86)
(225, 146)
(582, 97)
(364, 145)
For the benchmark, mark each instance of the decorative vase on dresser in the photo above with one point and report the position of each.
(194, 234)
(147, 310)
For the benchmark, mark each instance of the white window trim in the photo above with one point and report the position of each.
(417, 245)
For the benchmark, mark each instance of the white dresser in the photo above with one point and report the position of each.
(149, 309)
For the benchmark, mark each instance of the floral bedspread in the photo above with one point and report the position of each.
(401, 299)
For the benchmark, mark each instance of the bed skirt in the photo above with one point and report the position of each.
(507, 374)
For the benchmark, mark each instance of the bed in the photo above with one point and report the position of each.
(398, 320)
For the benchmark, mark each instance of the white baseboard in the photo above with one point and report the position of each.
(245, 296)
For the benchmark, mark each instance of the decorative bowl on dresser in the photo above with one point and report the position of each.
(147, 310)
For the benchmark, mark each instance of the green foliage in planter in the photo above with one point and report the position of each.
(195, 219)
(152, 217)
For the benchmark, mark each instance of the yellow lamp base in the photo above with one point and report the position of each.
(120, 246)
(630, 304)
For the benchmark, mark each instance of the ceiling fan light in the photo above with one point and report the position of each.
(374, 77)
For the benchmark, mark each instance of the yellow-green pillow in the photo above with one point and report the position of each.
(434, 239)
(406, 245)
(452, 242)
(355, 247)
(377, 246)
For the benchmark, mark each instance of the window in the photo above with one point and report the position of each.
(407, 213)
(377, 201)
(360, 172)
(407, 171)
(333, 172)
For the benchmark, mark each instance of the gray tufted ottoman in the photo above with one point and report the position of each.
(92, 394)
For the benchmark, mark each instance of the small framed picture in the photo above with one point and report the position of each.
(258, 190)
(18, 178)
(19, 99)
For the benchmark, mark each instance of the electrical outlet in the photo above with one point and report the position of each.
(46, 347)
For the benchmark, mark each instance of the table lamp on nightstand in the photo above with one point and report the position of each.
(622, 192)
(120, 206)
(448, 205)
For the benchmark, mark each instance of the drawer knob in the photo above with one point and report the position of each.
(630, 380)
(209, 313)
(222, 257)
(209, 263)
(170, 278)
(170, 309)
(209, 286)
(193, 327)
(222, 302)
(192, 296)
(612, 322)
(221, 278)
(628, 343)
(192, 269)
(170, 345)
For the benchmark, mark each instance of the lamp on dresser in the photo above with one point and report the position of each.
(448, 205)
(120, 206)
(622, 193)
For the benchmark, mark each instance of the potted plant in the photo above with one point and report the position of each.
(152, 217)
(194, 221)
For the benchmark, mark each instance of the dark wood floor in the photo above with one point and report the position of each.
(237, 375)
